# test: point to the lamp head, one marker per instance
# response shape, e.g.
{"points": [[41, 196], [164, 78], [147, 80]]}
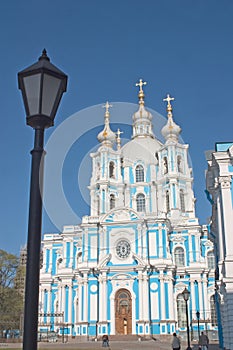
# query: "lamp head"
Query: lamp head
{"points": [[186, 294], [42, 85]]}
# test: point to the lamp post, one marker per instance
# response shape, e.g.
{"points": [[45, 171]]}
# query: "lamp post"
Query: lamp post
{"points": [[186, 295], [42, 85], [198, 323]]}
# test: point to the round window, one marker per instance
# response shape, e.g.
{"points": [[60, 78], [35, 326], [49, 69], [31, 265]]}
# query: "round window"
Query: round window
{"points": [[123, 249]]}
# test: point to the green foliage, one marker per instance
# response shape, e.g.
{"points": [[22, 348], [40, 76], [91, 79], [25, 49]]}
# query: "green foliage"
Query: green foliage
{"points": [[8, 267], [11, 296]]}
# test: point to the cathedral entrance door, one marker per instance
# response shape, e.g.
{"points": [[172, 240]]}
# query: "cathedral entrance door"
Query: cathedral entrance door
{"points": [[123, 312]]}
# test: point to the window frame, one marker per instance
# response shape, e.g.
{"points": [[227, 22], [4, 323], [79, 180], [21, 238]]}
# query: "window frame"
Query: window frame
{"points": [[139, 173], [141, 202]]}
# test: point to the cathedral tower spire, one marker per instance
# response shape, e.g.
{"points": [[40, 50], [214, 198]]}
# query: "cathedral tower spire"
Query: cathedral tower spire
{"points": [[142, 125], [171, 130], [107, 137]]}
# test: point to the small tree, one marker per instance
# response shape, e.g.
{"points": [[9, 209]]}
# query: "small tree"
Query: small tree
{"points": [[11, 301]]}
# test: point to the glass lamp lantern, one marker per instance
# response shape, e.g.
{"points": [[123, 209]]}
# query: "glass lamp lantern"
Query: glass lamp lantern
{"points": [[42, 85], [186, 294]]}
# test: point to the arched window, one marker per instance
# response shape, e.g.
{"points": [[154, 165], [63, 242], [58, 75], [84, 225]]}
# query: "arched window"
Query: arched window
{"points": [[179, 164], [213, 313], [211, 260], [181, 311], [182, 202], [141, 202], [139, 173], [165, 165], [112, 201], [112, 170], [167, 202], [179, 256]]}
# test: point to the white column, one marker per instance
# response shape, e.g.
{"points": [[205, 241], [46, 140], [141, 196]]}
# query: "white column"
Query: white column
{"points": [[153, 199], [162, 295], [49, 301], [160, 242], [206, 300], [104, 291], [127, 197], [71, 254], [101, 299], [145, 297], [85, 298], [190, 248], [192, 288], [140, 249], [42, 300], [70, 303], [225, 182], [141, 301], [144, 242], [197, 244], [200, 294], [93, 203], [171, 296], [80, 305], [220, 233], [63, 298]]}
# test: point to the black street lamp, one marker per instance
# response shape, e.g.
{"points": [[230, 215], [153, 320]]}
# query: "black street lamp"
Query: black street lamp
{"points": [[186, 295], [42, 85], [198, 323]]}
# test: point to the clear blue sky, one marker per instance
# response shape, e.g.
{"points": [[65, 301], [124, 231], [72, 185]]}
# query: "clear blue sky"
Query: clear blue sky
{"points": [[181, 47]]}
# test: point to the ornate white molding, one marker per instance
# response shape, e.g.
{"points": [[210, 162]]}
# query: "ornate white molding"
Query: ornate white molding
{"points": [[104, 261], [177, 238], [139, 260], [225, 181]]}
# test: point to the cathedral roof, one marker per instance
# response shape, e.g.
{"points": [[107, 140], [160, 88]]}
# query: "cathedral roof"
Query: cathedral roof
{"points": [[143, 149]]}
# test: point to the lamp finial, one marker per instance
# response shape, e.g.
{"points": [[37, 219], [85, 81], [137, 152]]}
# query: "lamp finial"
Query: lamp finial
{"points": [[44, 56]]}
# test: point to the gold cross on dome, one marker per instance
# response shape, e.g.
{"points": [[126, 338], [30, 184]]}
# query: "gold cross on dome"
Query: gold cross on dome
{"points": [[140, 84], [107, 106], [169, 99]]}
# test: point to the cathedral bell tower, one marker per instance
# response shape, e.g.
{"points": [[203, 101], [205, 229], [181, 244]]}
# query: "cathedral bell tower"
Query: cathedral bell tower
{"points": [[106, 181], [174, 177]]}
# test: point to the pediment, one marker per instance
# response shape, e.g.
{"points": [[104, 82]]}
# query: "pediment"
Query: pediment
{"points": [[180, 287], [208, 243], [178, 238], [231, 151], [120, 215], [122, 276]]}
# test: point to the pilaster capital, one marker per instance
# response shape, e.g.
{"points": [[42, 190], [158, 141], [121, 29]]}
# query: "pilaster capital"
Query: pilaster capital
{"points": [[225, 181]]}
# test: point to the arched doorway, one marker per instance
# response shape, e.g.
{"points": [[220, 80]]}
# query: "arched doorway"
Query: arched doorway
{"points": [[123, 312]]}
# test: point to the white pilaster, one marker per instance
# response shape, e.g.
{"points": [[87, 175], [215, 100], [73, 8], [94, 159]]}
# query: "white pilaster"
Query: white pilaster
{"points": [[200, 296], [85, 298], [141, 301], [162, 296], [193, 298]]}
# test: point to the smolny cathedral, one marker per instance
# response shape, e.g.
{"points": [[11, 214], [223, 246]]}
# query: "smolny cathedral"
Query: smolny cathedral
{"points": [[122, 271]]}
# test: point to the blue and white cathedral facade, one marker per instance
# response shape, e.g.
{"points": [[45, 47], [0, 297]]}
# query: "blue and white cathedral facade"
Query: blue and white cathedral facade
{"points": [[124, 268]]}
